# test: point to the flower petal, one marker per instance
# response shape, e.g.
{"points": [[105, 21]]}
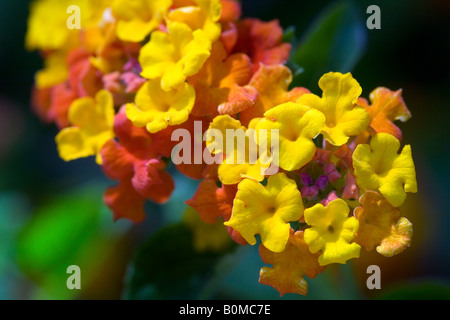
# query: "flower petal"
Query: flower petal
{"points": [[290, 266], [338, 103], [378, 166], [266, 210]]}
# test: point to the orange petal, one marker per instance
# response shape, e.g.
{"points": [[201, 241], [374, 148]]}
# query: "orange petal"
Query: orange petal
{"points": [[239, 99], [62, 97], [386, 107], [192, 169], [399, 239], [344, 153], [161, 192], [381, 226], [117, 162], [125, 202], [41, 102], [272, 83], [262, 42], [221, 85], [137, 165], [212, 202], [83, 77], [135, 140], [231, 11], [229, 36], [323, 156], [290, 266]]}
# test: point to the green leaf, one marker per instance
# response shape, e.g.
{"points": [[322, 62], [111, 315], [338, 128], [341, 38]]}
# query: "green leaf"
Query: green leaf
{"points": [[289, 34], [335, 42], [74, 228], [168, 267]]}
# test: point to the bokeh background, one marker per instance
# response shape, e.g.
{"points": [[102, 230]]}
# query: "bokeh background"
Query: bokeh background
{"points": [[52, 215]]}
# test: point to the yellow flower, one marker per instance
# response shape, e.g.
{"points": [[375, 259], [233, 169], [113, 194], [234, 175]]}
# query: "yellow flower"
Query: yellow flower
{"points": [[92, 125], [221, 123], [298, 125], [242, 158], [266, 210], [332, 231], [137, 18], [156, 109], [204, 15], [175, 55], [55, 71], [381, 226], [343, 118], [47, 24], [380, 167]]}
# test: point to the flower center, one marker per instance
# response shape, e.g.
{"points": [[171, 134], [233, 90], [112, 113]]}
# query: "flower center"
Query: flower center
{"points": [[272, 209], [330, 229]]}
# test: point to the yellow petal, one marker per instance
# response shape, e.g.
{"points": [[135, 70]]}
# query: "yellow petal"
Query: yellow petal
{"points": [[156, 108], [202, 16], [331, 232], [134, 30], [175, 55], [221, 123], [136, 19], [297, 125], [378, 166], [91, 123], [338, 103], [266, 210], [71, 145], [54, 72]]}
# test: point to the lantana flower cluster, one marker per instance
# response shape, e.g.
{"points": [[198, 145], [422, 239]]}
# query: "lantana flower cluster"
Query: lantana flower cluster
{"points": [[136, 71]]}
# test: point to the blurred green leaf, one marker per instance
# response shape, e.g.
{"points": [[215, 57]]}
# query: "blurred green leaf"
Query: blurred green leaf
{"points": [[335, 42], [69, 230], [289, 34], [168, 267]]}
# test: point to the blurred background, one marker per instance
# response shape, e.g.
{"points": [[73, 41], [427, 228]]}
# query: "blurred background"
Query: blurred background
{"points": [[52, 215]]}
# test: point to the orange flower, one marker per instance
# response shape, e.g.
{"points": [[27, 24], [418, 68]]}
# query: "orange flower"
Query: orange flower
{"points": [[290, 266], [381, 226], [221, 86], [135, 161], [83, 80], [231, 11], [213, 203], [386, 107], [262, 42], [61, 97], [272, 83]]}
